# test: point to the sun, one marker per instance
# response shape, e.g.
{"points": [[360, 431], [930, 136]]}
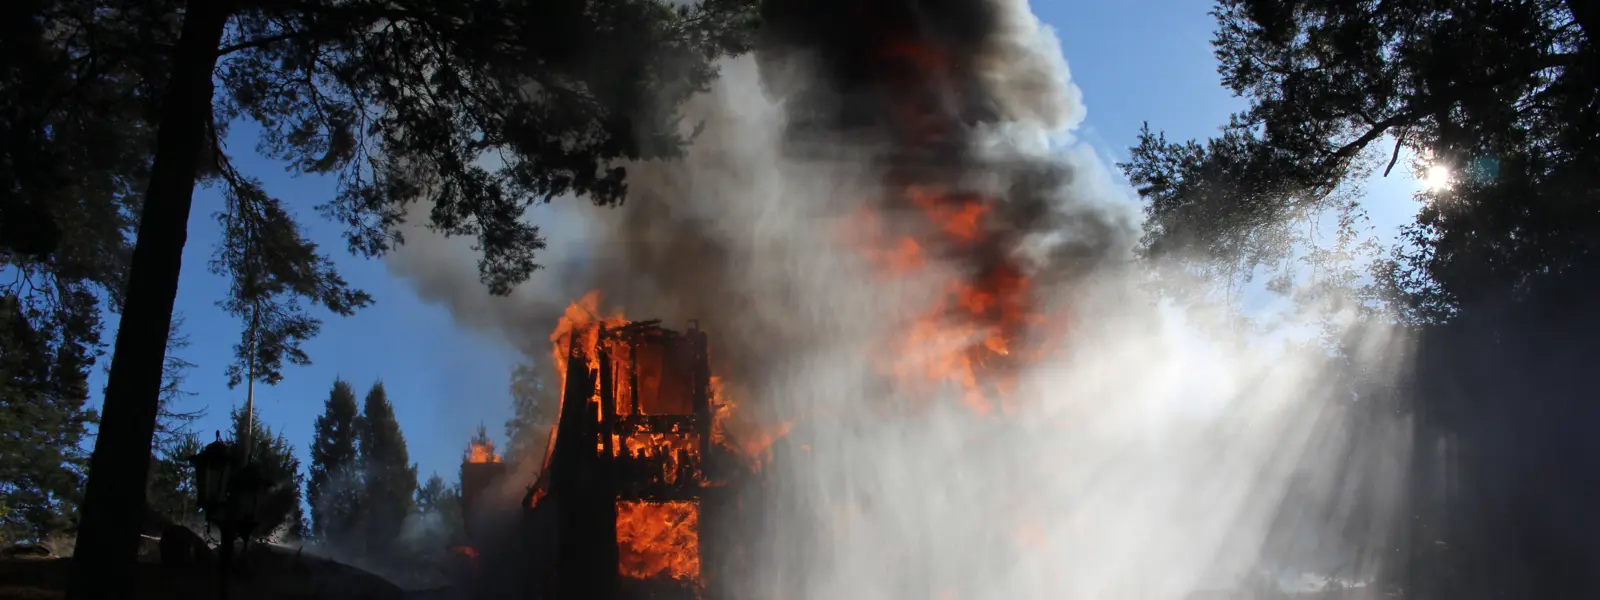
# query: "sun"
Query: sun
{"points": [[1437, 178]]}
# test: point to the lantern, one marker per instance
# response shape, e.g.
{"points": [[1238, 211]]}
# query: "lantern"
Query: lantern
{"points": [[213, 472]]}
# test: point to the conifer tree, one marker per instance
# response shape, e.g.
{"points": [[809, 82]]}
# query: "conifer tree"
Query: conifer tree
{"points": [[402, 103], [389, 480], [334, 486], [171, 492], [43, 388], [279, 510], [437, 499]]}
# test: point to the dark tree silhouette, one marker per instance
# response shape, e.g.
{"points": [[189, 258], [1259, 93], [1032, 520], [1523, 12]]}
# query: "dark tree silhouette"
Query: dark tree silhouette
{"points": [[1496, 275], [476, 108], [279, 510], [171, 491], [389, 479], [1499, 93], [43, 389], [334, 486]]}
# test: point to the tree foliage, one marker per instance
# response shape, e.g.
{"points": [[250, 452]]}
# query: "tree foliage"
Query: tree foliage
{"points": [[171, 490], [1501, 94], [43, 421], [1495, 276], [436, 499], [279, 511], [334, 487], [534, 405], [389, 479], [478, 108], [74, 148]]}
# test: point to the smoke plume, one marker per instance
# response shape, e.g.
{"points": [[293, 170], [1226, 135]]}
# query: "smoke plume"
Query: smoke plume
{"points": [[885, 169]]}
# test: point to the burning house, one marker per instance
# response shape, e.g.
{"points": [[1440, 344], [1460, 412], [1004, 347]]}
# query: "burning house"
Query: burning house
{"points": [[626, 475], [630, 481], [480, 468]]}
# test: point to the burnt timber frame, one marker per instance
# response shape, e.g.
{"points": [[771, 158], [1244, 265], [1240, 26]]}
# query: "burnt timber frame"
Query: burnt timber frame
{"points": [[587, 475]]}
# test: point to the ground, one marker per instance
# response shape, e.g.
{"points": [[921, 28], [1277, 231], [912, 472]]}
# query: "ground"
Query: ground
{"points": [[267, 574]]}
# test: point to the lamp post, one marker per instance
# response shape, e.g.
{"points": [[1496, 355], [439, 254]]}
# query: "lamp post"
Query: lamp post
{"points": [[213, 468], [230, 494]]}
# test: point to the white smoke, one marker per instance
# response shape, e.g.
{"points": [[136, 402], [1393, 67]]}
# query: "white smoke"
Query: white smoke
{"points": [[1145, 459]]}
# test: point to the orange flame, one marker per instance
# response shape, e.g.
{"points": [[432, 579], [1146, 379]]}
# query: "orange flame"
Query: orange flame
{"points": [[479, 452], [731, 428], [656, 539], [582, 317], [985, 322]]}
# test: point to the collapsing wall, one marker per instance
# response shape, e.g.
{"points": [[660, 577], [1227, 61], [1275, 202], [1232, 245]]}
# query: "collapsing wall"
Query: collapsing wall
{"points": [[625, 477]]}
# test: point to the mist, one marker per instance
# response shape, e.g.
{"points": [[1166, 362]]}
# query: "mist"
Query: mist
{"points": [[1136, 454]]}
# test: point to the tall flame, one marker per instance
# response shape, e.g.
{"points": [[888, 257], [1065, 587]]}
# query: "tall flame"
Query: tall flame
{"points": [[583, 317]]}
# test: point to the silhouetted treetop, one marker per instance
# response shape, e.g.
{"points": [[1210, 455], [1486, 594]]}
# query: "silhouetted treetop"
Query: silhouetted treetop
{"points": [[1500, 94], [476, 108]]}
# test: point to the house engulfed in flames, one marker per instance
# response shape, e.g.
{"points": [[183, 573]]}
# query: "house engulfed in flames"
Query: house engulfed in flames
{"points": [[625, 479]]}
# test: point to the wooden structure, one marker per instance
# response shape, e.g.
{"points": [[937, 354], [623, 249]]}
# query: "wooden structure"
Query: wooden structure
{"points": [[624, 473]]}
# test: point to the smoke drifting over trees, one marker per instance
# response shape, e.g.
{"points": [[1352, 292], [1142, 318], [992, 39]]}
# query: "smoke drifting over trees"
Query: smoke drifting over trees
{"points": [[1150, 455]]}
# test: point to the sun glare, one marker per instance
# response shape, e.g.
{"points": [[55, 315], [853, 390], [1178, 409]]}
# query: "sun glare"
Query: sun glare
{"points": [[1437, 178]]}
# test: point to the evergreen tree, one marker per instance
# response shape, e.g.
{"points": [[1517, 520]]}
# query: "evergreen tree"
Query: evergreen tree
{"points": [[389, 480], [43, 388], [279, 510], [172, 423], [74, 148], [401, 102], [1499, 95], [171, 493], [435, 498], [1496, 276], [334, 486]]}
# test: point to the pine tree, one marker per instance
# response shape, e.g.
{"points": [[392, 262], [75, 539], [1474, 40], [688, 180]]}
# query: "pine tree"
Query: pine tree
{"points": [[358, 89], [389, 480], [334, 486], [1499, 94], [43, 388], [279, 510], [435, 498], [171, 491]]}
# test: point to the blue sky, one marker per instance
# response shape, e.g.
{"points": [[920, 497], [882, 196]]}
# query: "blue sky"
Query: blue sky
{"points": [[1135, 60]]}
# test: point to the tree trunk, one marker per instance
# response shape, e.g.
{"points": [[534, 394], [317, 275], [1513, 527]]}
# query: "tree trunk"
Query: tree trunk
{"points": [[114, 496]]}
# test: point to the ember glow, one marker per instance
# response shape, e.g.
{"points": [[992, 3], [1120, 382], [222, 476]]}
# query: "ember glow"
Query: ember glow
{"points": [[658, 539]]}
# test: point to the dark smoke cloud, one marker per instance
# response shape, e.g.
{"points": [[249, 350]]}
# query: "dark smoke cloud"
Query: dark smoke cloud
{"points": [[744, 235]]}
